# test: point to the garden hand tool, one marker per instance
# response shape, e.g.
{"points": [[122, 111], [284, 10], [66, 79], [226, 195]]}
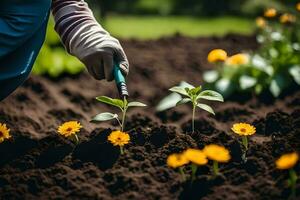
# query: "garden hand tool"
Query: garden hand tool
{"points": [[120, 82]]}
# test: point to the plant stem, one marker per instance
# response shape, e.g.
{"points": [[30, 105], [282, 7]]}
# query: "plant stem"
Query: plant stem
{"points": [[119, 122], [215, 168], [193, 118], [245, 142], [181, 171], [293, 181], [121, 150], [194, 170], [124, 114], [76, 139]]}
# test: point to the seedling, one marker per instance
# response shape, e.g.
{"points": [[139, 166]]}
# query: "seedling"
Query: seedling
{"points": [[123, 105], [244, 130], [193, 94]]}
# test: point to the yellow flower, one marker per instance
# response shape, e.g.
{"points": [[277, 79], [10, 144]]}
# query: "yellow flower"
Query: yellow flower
{"points": [[69, 128], [298, 6], [217, 153], [243, 129], [177, 160], [287, 18], [195, 156], [4, 133], [270, 13], [217, 55], [260, 22], [119, 138], [238, 59], [287, 161]]}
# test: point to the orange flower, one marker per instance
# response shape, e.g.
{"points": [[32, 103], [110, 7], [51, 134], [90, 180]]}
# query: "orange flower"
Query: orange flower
{"points": [[217, 153], [287, 18], [287, 161], [177, 160], [217, 55], [270, 13], [260, 22], [298, 6]]}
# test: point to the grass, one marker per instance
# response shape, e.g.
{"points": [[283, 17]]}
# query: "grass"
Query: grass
{"points": [[153, 27]]}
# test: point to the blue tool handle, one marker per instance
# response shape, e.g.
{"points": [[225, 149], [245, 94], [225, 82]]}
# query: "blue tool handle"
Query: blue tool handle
{"points": [[120, 81]]}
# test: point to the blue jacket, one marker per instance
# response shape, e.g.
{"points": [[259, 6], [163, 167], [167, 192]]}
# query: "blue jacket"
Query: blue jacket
{"points": [[22, 32]]}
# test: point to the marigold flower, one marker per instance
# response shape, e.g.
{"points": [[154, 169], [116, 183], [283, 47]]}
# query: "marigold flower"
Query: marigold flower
{"points": [[195, 156], [70, 128], [177, 160], [4, 133], [217, 153], [287, 161], [287, 18], [298, 6], [243, 129], [238, 59], [217, 55], [119, 138], [260, 22], [270, 13]]}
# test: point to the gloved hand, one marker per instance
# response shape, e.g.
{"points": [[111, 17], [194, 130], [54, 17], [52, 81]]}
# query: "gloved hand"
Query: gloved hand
{"points": [[100, 64], [84, 38]]}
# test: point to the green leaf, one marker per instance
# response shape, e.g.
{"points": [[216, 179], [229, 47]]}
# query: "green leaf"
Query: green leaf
{"points": [[247, 82], [183, 101], [277, 85], [224, 86], [114, 102], [210, 76], [206, 108], [179, 90], [168, 102], [136, 104], [210, 95], [195, 91], [105, 117], [295, 73]]}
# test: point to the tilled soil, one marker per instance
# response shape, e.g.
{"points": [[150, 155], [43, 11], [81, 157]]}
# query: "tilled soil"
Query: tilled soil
{"points": [[39, 164]]}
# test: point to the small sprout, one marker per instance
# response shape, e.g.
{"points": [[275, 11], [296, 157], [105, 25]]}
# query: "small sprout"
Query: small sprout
{"points": [[270, 13], [288, 161], [216, 56], [238, 59], [70, 129], [218, 154], [194, 95], [123, 105], [119, 138], [4, 133], [244, 130], [261, 22], [197, 158], [287, 18]]}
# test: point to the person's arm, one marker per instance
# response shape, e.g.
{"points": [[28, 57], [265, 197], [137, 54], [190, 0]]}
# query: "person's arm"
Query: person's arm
{"points": [[84, 38]]}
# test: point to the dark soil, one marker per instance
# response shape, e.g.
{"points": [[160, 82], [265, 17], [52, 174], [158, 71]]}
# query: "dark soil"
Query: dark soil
{"points": [[38, 164]]}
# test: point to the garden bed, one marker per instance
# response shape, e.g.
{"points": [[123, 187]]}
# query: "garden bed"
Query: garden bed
{"points": [[38, 164]]}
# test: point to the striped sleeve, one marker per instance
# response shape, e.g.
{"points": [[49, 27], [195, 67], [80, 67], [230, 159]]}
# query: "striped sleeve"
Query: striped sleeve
{"points": [[77, 27]]}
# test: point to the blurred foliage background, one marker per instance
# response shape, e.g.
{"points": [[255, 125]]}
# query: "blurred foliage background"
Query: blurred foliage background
{"points": [[151, 19]]}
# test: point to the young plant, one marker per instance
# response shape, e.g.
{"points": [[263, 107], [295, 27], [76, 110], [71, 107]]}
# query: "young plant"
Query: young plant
{"points": [[123, 105], [4, 133], [119, 138], [70, 129], [287, 162], [194, 95], [244, 130], [194, 157], [218, 154]]}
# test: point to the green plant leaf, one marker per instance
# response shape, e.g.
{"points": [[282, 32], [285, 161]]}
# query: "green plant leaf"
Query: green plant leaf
{"points": [[179, 90], [206, 108], [295, 73], [277, 85], [105, 117], [136, 104], [210, 76], [247, 82], [114, 102], [168, 102], [210, 95], [183, 101], [194, 91]]}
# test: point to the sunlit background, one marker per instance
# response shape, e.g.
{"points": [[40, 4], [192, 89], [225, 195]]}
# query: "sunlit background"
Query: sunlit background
{"points": [[153, 19]]}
